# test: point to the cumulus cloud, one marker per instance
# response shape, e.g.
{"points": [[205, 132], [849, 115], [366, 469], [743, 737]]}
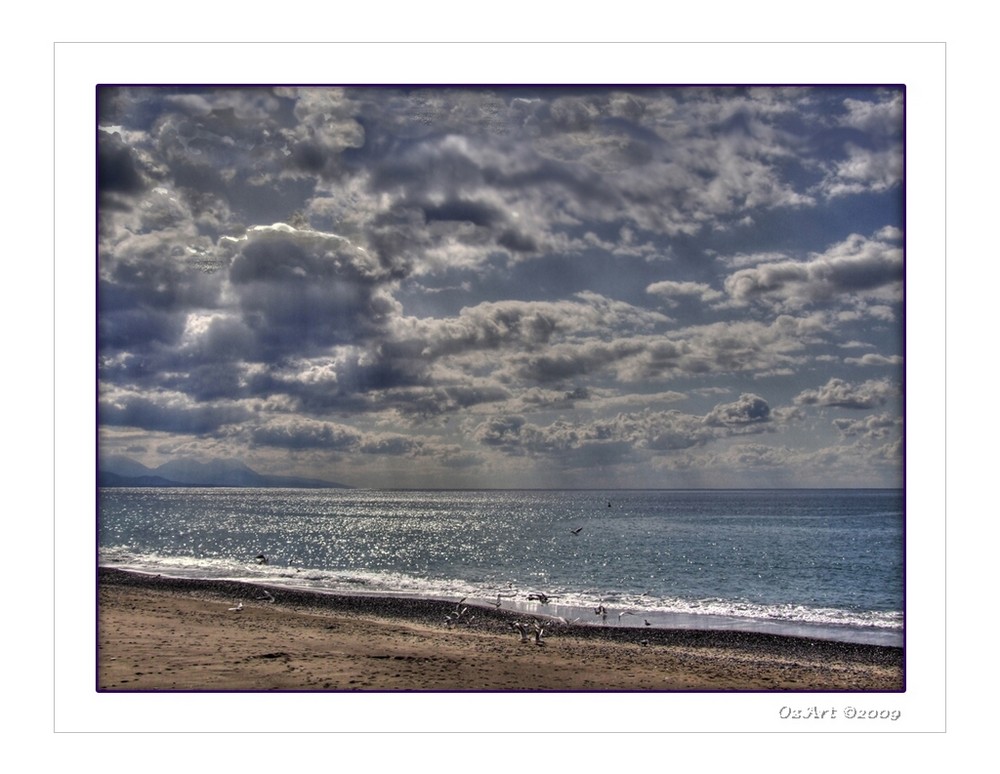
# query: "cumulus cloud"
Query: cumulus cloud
{"points": [[838, 393], [864, 170], [856, 268], [873, 359], [671, 291], [873, 427], [306, 435], [626, 434], [749, 409]]}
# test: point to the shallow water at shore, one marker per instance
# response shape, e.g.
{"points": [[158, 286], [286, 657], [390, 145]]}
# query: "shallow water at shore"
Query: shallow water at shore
{"points": [[817, 563]]}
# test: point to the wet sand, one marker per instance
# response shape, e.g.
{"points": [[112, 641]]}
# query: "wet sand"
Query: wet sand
{"points": [[166, 634]]}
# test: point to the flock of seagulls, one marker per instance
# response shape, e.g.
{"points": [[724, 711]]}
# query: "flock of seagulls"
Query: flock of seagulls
{"points": [[538, 626], [460, 615]]}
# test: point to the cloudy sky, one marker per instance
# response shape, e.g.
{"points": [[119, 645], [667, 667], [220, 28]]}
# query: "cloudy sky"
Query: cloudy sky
{"points": [[505, 287]]}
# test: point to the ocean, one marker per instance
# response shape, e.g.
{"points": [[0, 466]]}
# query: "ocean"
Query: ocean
{"points": [[826, 564]]}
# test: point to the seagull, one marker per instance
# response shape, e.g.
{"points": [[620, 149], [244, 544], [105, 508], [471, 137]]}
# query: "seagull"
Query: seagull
{"points": [[497, 603], [539, 632], [539, 596], [624, 612], [236, 609], [521, 628], [576, 531], [266, 596], [261, 559], [646, 621]]}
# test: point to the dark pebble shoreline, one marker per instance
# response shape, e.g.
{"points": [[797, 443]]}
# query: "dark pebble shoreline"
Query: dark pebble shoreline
{"points": [[493, 620]]}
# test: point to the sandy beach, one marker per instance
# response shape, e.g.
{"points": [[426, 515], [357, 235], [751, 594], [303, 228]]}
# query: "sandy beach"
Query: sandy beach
{"points": [[167, 634]]}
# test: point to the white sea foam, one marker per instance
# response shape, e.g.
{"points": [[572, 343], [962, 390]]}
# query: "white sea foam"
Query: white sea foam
{"points": [[828, 562]]}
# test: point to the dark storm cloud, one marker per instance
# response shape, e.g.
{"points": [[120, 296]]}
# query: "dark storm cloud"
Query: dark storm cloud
{"points": [[169, 414], [118, 170], [354, 383], [126, 324], [303, 290]]}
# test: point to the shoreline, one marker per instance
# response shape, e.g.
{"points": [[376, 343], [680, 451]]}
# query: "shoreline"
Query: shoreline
{"points": [[159, 633]]}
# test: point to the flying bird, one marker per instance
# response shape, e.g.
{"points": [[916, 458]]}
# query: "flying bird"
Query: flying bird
{"points": [[236, 609], [576, 531], [540, 597], [624, 612], [266, 596], [458, 614]]}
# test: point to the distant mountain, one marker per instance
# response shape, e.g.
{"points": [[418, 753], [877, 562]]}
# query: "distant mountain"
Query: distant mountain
{"points": [[123, 471], [104, 478]]}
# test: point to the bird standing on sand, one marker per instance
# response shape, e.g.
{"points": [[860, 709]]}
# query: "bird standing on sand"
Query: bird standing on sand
{"points": [[521, 628], [236, 609]]}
